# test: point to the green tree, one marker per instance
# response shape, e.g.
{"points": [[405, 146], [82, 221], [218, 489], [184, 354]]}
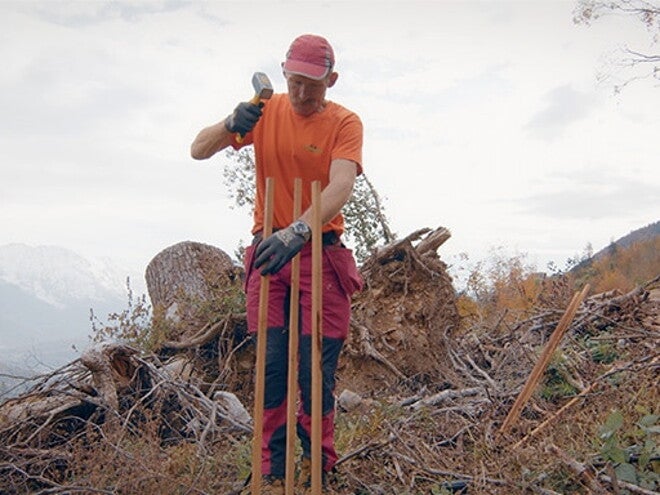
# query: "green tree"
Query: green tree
{"points": [[366, 222], [631, 64]]}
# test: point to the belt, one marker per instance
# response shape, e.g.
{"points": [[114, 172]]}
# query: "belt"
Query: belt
{"points": [[329, 238]]}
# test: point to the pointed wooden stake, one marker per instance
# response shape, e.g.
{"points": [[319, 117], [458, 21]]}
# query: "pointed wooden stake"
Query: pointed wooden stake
{"points": [[292, 379], [317, 331], [260, 368]]}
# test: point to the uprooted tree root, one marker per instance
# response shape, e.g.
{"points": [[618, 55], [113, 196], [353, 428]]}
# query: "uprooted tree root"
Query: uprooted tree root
{"points": [[116, 421]]}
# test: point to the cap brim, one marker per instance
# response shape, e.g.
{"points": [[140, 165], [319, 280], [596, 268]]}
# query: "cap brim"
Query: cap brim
{"points": [[304, 69]]}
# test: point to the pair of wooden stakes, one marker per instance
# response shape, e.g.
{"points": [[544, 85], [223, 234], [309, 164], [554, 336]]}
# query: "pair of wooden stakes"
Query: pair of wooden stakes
{"points": [[316, 331]]}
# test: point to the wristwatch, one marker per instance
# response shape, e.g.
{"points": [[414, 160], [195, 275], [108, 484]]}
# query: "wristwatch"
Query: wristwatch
{"points": [[302, 229]]}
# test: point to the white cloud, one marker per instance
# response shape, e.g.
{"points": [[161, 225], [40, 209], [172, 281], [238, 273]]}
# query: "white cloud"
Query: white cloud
{"points": [[564, 106]]}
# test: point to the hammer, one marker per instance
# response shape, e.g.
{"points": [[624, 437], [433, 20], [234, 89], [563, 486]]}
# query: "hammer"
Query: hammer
{"points": [[263, 90]]}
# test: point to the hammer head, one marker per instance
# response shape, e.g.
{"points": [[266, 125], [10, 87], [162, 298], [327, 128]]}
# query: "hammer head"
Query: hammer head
{"points": [[263, 89]]}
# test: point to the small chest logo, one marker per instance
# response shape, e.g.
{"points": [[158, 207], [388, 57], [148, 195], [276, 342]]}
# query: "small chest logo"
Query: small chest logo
{"points": [[313, 149]]}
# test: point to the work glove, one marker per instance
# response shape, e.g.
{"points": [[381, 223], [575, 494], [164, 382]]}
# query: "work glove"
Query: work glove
{"points": [[244, 118], [278, 249]]}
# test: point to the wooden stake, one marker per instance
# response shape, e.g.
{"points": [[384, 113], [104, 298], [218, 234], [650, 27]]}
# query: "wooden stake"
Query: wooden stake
{"points": [[317, 331], [543, 361], [260, 368], [292, 379]]}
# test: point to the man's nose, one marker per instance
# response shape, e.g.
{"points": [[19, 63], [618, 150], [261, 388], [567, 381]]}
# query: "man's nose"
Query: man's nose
{"points": [[303, 92]]}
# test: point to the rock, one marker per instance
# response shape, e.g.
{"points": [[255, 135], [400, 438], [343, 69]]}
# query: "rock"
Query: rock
{"points": [[349, 401], [233, 407]]}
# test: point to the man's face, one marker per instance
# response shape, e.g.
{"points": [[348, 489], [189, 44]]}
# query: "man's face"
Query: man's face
{"points": [[307, 95]]}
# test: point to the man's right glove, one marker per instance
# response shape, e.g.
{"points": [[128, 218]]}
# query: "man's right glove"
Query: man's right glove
{"points": [[244, 118]]}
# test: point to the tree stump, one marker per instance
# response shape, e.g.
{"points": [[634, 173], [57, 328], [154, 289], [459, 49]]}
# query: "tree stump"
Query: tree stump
{"points": [[189, 283]]}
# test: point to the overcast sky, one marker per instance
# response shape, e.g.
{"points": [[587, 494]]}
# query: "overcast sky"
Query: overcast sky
{"points": [[486, 118]]}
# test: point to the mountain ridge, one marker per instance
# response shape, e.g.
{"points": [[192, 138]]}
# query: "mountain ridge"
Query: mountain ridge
{"points": [[47, 294], [58, 275], [647, 232]]}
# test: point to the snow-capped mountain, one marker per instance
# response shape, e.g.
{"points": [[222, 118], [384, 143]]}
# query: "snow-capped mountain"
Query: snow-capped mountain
{"points": [[59, 276], [47, 294]]}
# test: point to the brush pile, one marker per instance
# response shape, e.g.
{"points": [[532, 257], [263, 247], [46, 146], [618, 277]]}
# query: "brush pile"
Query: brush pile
{"points": [[423, 393]]}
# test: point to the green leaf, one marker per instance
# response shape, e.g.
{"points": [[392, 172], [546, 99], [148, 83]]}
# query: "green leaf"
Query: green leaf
{"points": [[617, 454], [626, 472], [648, 421], [614, 421]]}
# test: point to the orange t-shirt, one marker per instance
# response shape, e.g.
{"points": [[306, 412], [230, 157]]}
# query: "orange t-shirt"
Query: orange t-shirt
{"points": [[289, 146]]}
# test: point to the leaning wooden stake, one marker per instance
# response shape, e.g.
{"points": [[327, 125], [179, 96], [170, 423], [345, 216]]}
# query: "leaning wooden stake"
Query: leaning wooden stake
{"points": [[260, 372], [292, 379], [543, 361], [317, 331]]}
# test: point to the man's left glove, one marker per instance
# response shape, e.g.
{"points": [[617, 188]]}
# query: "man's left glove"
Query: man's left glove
{"points": [[276, 251]]}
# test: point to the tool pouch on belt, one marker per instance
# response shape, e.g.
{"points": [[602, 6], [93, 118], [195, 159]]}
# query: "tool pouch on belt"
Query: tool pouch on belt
{"points": [[343, 263]]}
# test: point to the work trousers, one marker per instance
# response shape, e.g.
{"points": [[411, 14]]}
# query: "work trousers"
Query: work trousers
{"points": [[340, 279], [275, 402]]}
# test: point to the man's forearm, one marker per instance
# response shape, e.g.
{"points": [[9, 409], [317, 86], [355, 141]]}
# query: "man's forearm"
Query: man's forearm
{"points": [[336, 193], [210, 140]]}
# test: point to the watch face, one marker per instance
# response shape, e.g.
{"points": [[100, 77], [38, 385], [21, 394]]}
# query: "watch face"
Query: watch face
{"points": [[301, 228]]}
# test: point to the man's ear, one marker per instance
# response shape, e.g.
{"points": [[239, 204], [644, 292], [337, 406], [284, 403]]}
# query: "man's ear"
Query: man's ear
{"points": [[333, 79]]}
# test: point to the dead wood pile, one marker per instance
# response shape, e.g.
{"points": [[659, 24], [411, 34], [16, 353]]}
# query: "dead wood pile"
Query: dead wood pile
{"points": [[110, 388]]}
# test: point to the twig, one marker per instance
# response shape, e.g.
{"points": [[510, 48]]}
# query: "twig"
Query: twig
{"points": [[441, 472], [584, 472], [372, 352], [201, 338], [376, 445], [490, 381], [628, 486], [446, 395]]}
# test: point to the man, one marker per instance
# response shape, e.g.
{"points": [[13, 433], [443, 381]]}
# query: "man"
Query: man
{"points": [[297, 135]]}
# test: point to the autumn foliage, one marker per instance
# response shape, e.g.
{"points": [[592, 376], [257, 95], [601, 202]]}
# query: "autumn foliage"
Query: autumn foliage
{"points": [[621, 268], [507, 289]]}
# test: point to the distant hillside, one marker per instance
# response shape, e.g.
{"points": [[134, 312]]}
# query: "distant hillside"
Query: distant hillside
{"points": [[629, 261], [649, 232], [27, 321]]}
